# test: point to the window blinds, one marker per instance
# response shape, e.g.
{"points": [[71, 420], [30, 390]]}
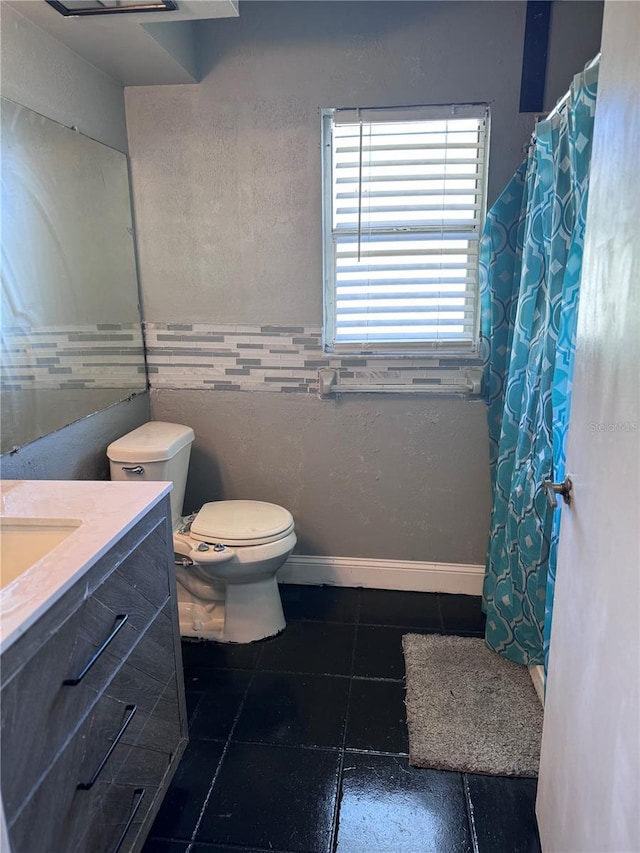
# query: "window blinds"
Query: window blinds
{"points": [[408, 196]]}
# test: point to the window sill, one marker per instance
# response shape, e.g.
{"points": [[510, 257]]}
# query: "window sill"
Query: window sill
{"points": [[458, 380], [458, 390], [469, 352]]}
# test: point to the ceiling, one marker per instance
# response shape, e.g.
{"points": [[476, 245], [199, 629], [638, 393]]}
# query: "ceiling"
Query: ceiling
{"points": [[136, 49]]}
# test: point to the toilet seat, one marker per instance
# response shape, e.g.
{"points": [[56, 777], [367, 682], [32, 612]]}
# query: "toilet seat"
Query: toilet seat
{"points": [[241, 523]]}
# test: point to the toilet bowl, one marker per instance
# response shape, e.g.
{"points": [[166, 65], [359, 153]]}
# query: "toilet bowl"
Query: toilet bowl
{"points": [[232, 551], [227, 553]]}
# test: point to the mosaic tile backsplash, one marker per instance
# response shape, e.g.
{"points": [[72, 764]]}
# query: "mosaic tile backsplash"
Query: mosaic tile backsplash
{"points": [[102, 355], [284, 359], [275, 359]]}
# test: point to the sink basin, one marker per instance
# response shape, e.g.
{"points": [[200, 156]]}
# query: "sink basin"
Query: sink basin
{"points": [[24, 541]]}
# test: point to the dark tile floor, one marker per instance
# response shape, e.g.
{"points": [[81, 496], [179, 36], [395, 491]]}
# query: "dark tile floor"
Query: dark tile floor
{"points": [[298, 744]]}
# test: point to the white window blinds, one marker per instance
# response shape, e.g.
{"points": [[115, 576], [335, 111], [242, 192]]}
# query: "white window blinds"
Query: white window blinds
{"points": [[407, 198]]}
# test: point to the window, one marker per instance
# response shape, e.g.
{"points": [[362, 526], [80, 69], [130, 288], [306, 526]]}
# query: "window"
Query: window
{"points": [[404, 199]]}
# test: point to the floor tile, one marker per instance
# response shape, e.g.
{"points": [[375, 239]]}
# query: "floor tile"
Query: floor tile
{"points": [[296, 710], [276, 793], [396, 607], [323, 603], [386, 806], [320, 647], [202, 680], [379, 652], [160, 845], [211, 654], [192, 697], [504, 813], [462, 613], [183, 802], [277, 798], [218, 707], [377, 718]]}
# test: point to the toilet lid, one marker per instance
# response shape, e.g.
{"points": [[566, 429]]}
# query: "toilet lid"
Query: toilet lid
{"points": [[241, 523]]}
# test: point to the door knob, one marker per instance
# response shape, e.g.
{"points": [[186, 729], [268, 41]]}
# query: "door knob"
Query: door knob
{"points": [[565, 488]]}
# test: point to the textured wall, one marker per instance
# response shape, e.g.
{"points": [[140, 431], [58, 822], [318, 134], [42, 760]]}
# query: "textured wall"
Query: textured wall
{"points": [[228, 205], [576, 27], [385, 476], [227, 173]]}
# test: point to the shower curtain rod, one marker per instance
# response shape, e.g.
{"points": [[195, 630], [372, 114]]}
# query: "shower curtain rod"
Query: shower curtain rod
{"points": [[561, 103], [563, 100]]}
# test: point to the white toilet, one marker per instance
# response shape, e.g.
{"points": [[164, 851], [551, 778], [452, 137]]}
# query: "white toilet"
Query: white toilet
{"points": [[228, 552]]}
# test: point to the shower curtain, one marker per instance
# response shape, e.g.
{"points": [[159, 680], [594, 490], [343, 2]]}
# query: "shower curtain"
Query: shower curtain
{"points": [[530, 264]]}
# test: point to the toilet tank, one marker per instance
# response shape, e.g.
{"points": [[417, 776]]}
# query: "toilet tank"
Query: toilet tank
{"points": [[154, 451]]}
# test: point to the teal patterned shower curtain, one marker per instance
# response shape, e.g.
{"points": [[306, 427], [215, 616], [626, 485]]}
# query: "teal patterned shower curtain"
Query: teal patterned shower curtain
{"points": [[530, 265]]}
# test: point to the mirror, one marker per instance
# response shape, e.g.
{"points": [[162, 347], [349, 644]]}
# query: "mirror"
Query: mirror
{"points": [[70, 324]]}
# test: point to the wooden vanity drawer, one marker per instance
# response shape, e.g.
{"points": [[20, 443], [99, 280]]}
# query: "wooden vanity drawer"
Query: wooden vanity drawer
{"points": [[128, 742], [117, 817], [121, 608], [90, 821]]}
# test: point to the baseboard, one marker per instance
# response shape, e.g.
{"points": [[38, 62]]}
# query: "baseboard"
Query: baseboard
{"points": [[537, 676], [413, 575]]}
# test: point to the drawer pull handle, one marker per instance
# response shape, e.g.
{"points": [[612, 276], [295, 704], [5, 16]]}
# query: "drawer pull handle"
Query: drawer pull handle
{"points": [[120, 620], [84, 786], [138, 794]]}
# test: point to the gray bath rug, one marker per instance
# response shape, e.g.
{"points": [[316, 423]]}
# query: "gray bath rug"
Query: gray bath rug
{"points": [[468, 709]]}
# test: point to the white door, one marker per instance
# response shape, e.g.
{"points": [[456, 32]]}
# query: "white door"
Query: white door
{"points": [[589, 789]]}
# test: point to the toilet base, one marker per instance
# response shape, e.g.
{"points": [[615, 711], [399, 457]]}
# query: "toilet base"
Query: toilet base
{"points": [[199, 620], [253, 611], [249, 612]]}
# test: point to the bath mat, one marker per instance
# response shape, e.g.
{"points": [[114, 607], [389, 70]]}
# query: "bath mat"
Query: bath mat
{"points": [[468, 709]]}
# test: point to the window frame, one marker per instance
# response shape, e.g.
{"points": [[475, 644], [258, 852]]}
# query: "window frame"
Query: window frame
{"points": [[441, 348]]}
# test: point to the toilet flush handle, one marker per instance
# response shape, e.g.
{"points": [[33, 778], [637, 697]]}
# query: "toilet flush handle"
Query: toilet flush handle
{"points": [[133, 469]]}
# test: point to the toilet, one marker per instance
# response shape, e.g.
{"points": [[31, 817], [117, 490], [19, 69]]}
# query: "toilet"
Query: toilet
{"points": [[227, 553]]}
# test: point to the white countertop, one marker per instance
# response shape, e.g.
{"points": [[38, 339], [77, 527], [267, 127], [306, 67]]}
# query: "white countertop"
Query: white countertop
{"points": [[106, 509]]}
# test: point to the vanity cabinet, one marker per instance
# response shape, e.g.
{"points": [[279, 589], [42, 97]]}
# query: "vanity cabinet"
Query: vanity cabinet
{"points": [[92, 704]]}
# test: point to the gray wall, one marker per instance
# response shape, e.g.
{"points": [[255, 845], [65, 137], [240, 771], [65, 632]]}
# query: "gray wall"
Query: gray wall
{"points": [[366, 476], [227, 196], [227, 173], [576, 27], [44, 75]]}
